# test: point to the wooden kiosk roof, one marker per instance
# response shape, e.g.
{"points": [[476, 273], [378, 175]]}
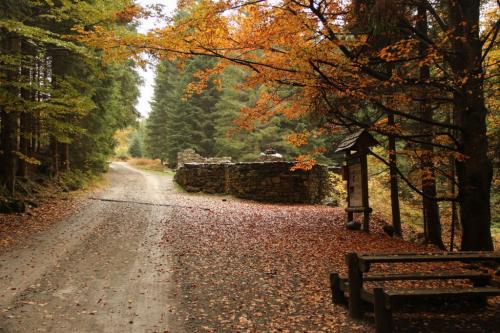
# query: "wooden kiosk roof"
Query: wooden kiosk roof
{"points": [[356, 141]]}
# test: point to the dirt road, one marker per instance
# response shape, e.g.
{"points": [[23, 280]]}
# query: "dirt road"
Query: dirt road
{"points": [[144, 257], [102, 270]]}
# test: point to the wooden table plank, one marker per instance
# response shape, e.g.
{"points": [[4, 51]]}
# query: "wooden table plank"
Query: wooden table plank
{"points": [[425, 276], [365, 260], [480, 291], [420, 257]]}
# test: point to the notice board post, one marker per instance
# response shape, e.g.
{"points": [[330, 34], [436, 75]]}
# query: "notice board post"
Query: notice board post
{"points": [[356, 147]]}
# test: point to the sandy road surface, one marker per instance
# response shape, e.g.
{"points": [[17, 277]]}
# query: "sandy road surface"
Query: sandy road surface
{"points": [[102, 270]]}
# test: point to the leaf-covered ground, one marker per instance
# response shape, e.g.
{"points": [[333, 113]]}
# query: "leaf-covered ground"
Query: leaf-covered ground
{"points": [[236, 266], [250, 267], [16, 228], [47, 202]]}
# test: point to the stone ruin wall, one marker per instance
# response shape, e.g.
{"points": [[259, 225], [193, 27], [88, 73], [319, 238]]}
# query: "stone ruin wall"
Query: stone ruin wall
{"points": [[261, 181], [190, 156], [202, 177]]}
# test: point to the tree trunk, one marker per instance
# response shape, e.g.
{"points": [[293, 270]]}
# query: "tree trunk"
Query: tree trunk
{"points": [[10, 120], [36, 134], [25, 134], [65, 156], [8, 159], [474, 169], [58, 68], [41, 80], [396, 215], [54, 151], [454, 225], [430, 207], [474, 179], [25, 124]]}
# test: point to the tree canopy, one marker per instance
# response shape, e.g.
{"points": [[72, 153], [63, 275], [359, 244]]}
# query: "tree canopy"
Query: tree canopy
{"points": [[60, 104], [420, 75]]}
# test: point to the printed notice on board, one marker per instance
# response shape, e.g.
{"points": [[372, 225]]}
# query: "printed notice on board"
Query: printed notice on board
{"points": [[355, 188]]}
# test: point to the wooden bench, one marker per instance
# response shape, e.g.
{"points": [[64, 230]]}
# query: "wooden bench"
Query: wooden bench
{"points": [[385, 301]]}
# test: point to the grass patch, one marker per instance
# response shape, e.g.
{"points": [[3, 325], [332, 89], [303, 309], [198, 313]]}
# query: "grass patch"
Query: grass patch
{"points": [[150, 165]]}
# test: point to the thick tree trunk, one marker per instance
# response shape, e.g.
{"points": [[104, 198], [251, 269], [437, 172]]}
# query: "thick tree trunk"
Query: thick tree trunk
{"points": [[474, 179], [396, 215], [430, 207], [474, 169], [9, 149], [431, 213]]}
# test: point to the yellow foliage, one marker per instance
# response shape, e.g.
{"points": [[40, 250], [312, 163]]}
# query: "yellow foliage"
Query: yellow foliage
{"points": [[27, 159], [122, 138]]}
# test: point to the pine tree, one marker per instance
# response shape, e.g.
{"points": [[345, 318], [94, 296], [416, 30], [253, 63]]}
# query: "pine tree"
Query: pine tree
{"points": [[179, 120], [60, 105], [135, 148]]}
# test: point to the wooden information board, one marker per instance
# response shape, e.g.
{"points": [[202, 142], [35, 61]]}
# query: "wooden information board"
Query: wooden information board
{"points": [[355, 185], [356, 147]]}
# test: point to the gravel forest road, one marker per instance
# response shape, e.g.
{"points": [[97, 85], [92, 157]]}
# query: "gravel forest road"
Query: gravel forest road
{"points": [[101, 270]]}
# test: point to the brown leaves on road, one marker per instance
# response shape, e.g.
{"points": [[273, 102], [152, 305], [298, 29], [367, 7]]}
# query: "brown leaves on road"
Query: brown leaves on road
{"points": [[15, 228], [251, 267]]}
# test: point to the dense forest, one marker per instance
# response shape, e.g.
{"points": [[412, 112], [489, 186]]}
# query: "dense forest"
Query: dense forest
{"points": [[60, 103], [206, 120], [235, 77], [105, 228], [421, 76]]}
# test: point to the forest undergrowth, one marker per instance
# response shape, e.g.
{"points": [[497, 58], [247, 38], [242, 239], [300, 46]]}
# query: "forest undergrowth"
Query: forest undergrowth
{"points": [[42, 201]]}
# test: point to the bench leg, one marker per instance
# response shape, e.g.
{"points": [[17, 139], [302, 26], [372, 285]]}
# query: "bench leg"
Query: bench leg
{"points": [[355, 284], [338, 296], [383, 315]]}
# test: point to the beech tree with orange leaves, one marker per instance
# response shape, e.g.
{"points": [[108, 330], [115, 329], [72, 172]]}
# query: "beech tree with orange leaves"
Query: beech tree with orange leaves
{"points": [[354, 75]]}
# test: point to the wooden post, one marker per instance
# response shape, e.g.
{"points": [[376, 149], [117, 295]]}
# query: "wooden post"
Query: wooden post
{"points": [[338, 296], [350, 215], [383, 316], [355, 285], [364, 184]]}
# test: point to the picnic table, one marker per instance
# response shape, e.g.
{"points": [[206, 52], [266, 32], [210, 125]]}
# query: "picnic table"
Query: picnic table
{"points": [[384, 301]]}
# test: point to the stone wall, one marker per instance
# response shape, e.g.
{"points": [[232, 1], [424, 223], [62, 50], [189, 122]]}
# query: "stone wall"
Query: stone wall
{"points": [[262, 181], [202, 177], [190, 156]]}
